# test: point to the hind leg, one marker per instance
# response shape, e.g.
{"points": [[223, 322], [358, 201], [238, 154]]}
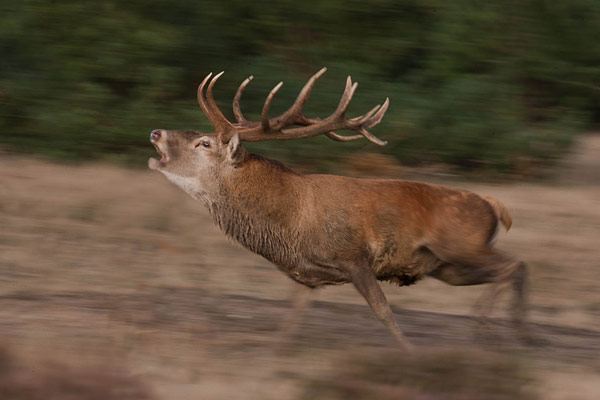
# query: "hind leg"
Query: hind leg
{"points": [[516, 275], [521, 303], [489, 266], [461, 275], [513, 275]]}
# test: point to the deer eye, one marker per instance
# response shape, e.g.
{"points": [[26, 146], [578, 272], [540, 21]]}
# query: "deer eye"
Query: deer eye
{"points": [[204, 144]]}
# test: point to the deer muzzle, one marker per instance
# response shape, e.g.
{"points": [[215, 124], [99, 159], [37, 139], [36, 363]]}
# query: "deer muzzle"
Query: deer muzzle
{"points": [[157, 138]]}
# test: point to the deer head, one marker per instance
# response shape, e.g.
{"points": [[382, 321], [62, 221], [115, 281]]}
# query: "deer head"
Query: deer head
{"points": [[194, 161]]}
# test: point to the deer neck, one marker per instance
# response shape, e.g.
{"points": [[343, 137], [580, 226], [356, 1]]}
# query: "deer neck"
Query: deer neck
{"points": [[258, 205]]}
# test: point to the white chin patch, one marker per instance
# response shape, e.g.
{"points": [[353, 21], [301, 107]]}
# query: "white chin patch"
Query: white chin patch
{"points": [[188, 185], [153, 163]]}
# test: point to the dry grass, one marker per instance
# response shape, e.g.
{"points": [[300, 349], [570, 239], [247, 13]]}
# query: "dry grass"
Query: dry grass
{"points": [[442, 375], [107, 266], [53, 380]]}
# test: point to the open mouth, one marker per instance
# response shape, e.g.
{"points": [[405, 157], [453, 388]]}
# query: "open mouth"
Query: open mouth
{"points": [[163, 156], [153, 163]]}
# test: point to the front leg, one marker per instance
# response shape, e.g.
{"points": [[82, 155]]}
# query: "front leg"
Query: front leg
{"points": [[301, 298], [366, 283]]}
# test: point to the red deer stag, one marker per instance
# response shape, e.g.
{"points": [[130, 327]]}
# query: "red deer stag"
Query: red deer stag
{"points": [[330, 230]]}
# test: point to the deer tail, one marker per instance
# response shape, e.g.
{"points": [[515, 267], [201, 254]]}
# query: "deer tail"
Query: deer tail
{"points": [[500, 211]]}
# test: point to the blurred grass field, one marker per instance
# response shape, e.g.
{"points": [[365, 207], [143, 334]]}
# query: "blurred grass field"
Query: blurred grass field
{"points": [[105, 268]]}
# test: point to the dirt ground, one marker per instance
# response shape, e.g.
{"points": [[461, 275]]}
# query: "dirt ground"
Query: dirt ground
{"points": [[115, 268]]}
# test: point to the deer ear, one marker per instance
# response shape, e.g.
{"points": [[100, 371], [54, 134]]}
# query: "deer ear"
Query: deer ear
{"points": [[235, 151]]}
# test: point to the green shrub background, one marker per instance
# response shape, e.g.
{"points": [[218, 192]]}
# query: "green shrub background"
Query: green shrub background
{"points": [[494, 86]]}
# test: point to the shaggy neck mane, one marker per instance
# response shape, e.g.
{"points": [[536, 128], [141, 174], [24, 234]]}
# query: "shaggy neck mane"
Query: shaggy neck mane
{"points": [[258, 206]]}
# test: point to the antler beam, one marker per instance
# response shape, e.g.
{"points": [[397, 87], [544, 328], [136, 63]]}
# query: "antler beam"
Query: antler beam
{"points": [[280, 128]]}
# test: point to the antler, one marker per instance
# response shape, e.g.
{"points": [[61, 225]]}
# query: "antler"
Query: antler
{"points": [[279, 128]]}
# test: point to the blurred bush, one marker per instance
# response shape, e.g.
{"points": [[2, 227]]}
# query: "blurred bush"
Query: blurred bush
{"points": [[499, 85]]}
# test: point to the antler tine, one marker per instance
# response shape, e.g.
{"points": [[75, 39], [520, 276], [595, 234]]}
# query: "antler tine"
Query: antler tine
{"points": [[220, 121], [365, 122], [346, 97], [363, 118], [360, 119], [339, 138], [264, 115], [209, 106], [372, 121], [372, 137], [237, 111], [294, 113], [201, 100]]}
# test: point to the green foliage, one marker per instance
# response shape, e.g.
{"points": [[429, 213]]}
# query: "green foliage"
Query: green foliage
{"points": [[472, 84]]}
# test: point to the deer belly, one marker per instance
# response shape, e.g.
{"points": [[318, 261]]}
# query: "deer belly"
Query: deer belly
{"points": [[395, 262], [313, 275]]}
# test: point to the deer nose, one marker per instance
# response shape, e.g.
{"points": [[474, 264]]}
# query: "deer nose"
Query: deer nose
{"points": [[155, 135]]}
